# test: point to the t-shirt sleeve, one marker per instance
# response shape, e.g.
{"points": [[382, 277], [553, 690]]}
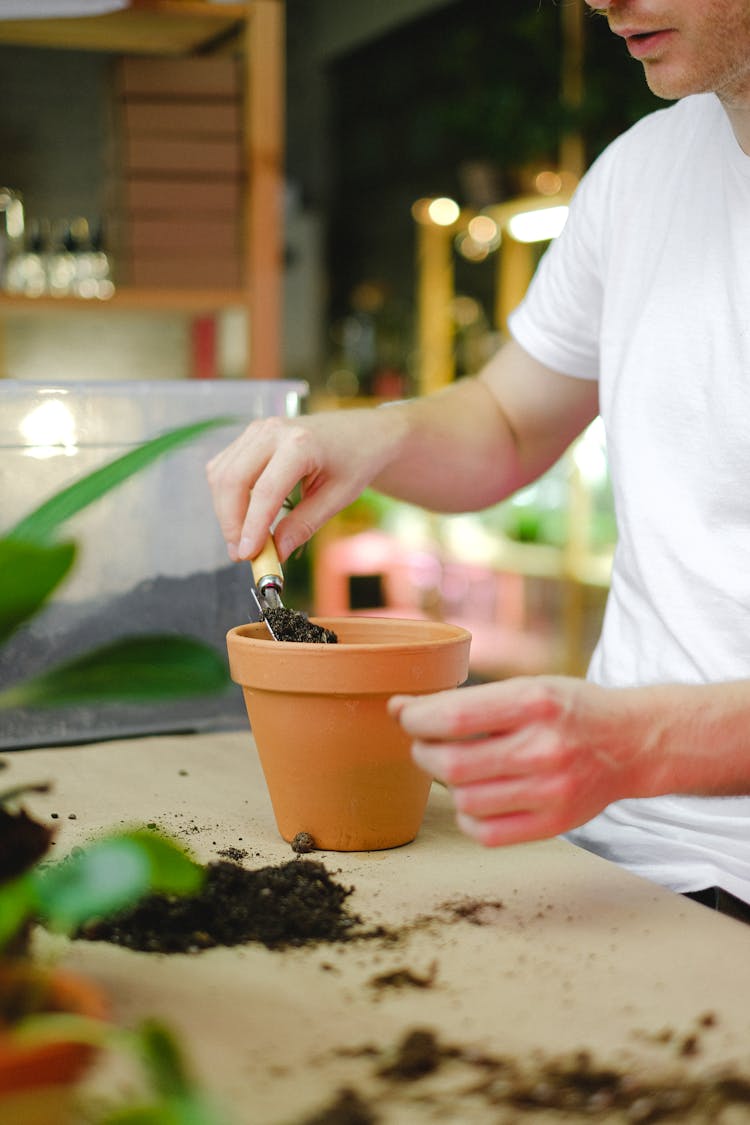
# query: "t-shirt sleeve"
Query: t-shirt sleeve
{"points": [[558, 321]]}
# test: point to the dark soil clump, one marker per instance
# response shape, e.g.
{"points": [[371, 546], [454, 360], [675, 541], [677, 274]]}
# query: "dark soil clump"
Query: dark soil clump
{"points": [[404, 978], [292, 625], [23, 842], [418, 1054], [303, 842], [347, 1108], [293, 904]]}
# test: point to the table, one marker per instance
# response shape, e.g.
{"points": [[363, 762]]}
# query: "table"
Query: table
{"points": [[575, 954]]}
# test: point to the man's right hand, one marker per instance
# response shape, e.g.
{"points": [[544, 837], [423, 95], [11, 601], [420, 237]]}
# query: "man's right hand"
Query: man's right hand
{"points": [[333, 456]]}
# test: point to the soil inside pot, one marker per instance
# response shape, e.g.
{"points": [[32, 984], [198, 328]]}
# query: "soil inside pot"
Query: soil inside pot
{"points": [[293, 904], [292, 625]]}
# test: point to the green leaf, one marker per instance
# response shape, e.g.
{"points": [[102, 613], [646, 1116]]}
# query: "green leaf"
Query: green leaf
{"points": [[171, 870], [18, 903], [132, 670], [191, 1110], [29, 572], [180, 1100], [141, 1115], [40, 524], [109, 876], [163, 1059]]}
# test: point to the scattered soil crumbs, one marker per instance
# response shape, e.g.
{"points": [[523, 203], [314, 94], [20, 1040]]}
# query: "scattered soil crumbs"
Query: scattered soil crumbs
{"points": [[292, 625], [303, 842], [404, 978], [575, 1086], [293, 904], [347, 1108], [233, 853], [477, 912]]}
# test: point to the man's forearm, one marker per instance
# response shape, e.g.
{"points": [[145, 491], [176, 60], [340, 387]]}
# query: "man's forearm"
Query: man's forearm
{"points": [[693, 738], [453, 451]]}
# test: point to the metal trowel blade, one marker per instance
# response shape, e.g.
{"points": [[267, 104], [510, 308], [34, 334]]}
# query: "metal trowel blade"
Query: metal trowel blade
{"points": [[262, 611]]}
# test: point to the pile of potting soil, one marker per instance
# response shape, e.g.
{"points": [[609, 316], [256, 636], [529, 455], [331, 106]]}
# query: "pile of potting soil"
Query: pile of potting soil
{"points": [[293, 904]]}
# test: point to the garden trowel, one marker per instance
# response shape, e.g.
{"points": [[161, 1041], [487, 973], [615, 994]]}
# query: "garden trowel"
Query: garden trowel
{"points": [[269, 581]]}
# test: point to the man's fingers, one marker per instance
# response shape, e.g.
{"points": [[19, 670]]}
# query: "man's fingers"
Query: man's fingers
{"points": [[494, 708], [515, 828], [230, 486], [537, 750]]}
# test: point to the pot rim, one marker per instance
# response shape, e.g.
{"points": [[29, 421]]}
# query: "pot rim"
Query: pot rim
{"points": [[449, 635]]}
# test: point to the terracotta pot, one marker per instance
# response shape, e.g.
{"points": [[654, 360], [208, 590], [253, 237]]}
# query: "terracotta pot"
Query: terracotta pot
{"points": [[37, 1081], [336, 764]]}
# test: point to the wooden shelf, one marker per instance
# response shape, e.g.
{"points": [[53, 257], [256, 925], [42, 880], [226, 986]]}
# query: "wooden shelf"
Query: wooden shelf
{"points": [[161, 27], [254, 30], [140, 300]]}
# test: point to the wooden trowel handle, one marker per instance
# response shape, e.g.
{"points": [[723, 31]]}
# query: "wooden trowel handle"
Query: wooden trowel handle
{"points": [[267, 565]]}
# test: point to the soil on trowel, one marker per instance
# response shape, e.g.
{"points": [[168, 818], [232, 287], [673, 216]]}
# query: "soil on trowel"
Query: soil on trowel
{"points": [[292, 625], [296, 903]]}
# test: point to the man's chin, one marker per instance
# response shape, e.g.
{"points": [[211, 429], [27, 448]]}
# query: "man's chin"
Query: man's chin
{"points": [[670, 86]]}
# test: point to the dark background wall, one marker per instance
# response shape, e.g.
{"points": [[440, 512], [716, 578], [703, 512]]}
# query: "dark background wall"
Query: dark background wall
{"points": [[471, 84]]}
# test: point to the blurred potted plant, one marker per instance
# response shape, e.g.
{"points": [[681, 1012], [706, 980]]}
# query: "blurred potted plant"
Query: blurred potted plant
{"points": [[50, 1022]]}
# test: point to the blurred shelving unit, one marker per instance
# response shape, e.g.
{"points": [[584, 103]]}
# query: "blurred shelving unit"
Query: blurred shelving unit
{"points": [[254, 31]]}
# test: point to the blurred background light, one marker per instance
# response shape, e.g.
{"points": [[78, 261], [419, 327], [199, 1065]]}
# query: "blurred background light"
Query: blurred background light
{"points": [[485, 231], [49, 429], [443, 211], [470, 249], [539, 225], [548, 183]]}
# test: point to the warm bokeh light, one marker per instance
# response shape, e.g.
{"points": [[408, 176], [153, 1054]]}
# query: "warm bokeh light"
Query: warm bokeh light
{"points": [[443, 211], [484, 231], [548, 183], [538, 226], [420, 210], [470, 249], [466, 311]]}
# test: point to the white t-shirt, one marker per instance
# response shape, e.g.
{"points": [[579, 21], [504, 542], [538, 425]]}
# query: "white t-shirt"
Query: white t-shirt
{"points": [[648, 291]]}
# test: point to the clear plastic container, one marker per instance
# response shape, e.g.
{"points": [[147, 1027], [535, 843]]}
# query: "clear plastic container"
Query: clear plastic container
{"points": [[151, 556]]}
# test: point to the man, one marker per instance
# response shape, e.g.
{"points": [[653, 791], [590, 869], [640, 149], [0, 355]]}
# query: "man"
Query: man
{"points": [[639, 311]]}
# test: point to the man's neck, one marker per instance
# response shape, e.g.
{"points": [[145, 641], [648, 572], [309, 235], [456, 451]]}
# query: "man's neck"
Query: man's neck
{"points": [[739, 119]]}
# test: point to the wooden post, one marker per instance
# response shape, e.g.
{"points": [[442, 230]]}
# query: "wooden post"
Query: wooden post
{"points": [[572, 151], [264, 197], [434, 301]]}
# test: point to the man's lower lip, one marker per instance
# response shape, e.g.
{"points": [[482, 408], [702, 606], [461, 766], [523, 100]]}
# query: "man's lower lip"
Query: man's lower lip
{"points": [[641, 46]]}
